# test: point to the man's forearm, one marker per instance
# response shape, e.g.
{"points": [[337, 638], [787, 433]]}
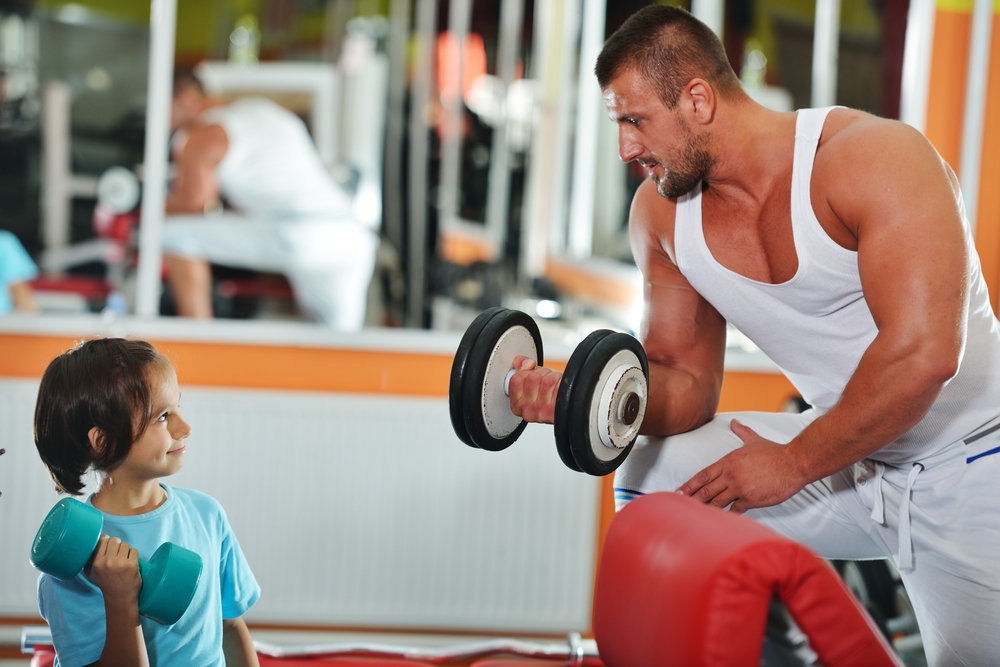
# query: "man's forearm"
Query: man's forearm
{"points": [[679, 401], [888, 394]]}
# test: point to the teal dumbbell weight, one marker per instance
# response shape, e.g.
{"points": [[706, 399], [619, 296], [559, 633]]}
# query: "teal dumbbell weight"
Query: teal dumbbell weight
{"points": [[66, 541]]}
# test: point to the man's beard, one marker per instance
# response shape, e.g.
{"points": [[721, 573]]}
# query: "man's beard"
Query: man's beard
{"points": [[694, 166]]}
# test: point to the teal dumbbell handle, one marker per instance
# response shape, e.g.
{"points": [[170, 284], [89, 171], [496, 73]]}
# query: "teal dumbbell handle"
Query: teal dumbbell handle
{"points": [[66, 540]]}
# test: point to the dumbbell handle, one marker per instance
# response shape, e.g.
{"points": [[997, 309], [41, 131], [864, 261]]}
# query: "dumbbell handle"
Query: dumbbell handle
{"points": [[628, 406], [506, 381]]}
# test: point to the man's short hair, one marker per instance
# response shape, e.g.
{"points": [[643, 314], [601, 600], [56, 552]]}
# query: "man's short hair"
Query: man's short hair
{"points": [[184, 79], [668, 47]]}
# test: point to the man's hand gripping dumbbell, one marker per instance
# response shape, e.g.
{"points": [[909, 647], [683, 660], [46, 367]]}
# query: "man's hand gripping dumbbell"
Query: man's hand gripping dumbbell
{"points": [[498, 384]]}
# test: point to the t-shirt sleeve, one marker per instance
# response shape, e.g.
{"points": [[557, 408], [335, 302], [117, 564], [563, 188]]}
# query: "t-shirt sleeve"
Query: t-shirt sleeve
{"points": [[74, 611], [240, 589], [15, 263]]}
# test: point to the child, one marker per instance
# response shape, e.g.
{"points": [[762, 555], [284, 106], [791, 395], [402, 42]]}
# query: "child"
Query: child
{"points": [[113, 405]]}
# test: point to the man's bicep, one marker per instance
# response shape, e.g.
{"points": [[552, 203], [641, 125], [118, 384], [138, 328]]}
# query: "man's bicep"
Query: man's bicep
{"points": [[195, 185], [680, 328]]}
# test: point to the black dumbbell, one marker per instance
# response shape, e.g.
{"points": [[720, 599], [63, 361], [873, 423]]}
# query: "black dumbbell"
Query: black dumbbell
{"points": [[599, 407], [65, 543]]}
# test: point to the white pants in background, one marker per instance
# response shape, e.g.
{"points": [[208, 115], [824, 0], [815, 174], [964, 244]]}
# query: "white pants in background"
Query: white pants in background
{"points": [[328, 262], [937, 518]]}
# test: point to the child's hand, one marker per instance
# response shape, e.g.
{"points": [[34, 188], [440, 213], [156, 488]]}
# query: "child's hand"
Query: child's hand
{"points": [[115, 570]]}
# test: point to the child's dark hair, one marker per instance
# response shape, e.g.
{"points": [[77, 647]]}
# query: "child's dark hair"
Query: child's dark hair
{"points": [[100, 383]]}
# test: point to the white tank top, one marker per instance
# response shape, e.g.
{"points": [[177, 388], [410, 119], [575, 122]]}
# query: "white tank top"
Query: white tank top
{"points": [[817, 325], [272, 167]]}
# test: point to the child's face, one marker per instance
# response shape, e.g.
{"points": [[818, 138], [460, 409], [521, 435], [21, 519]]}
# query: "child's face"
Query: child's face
{"points": [[160, 450]]}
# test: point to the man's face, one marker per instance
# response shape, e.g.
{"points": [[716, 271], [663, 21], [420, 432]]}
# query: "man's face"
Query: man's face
{"points": [[656, 136], [184, 107], [176, 114]]}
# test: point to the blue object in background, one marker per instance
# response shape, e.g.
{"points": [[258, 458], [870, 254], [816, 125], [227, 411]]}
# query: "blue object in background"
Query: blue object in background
{"points": [[16, 266]]}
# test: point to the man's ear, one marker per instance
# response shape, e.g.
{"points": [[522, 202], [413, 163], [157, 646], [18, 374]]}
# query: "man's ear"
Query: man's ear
{"points": [[97, 440], [700, 100]]}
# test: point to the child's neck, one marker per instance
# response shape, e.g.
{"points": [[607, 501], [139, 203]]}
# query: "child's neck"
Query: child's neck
{"points": [[125, 498]]}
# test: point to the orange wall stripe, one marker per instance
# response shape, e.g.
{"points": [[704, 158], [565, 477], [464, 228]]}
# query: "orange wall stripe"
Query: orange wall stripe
{"points": [[767, 392], [310, 369], [262, 366], [27, 356], [988, 212], [591, 286], [946, 94]]}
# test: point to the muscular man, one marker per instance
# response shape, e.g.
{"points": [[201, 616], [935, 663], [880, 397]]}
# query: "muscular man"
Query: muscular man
{"points": [[292, 216], [837, 242]]}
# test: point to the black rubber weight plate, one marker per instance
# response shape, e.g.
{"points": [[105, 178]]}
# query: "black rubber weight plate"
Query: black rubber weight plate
{"points": [[566, 411], [458, 367], [474, 376], [580, 444]]}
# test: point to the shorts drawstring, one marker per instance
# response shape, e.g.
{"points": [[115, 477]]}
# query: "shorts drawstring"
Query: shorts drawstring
{"points": [[905, 558], [878, 509]]}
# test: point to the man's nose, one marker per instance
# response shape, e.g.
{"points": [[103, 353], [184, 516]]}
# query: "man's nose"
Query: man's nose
{"points": [[628, 148]]}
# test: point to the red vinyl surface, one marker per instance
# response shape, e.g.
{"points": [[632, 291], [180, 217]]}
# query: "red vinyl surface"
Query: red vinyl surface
{"points": [[682, 584]]}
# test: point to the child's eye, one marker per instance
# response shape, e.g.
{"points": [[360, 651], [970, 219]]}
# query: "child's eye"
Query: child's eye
{"points": [[163, 417]]}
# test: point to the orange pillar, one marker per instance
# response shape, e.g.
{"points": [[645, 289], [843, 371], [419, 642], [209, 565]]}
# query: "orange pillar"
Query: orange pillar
{"points": [[949, 67], [945, 116], [988, 214]]}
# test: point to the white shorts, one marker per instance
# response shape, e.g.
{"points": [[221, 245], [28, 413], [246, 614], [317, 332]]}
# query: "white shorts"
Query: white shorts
{"points": [[328, 262], [937, 518]]}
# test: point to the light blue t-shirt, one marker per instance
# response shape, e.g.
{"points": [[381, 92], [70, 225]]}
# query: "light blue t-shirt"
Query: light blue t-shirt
{"points": [[74, 609], [15, 267]]}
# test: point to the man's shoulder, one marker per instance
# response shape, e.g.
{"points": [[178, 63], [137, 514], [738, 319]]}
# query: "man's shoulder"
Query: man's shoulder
{"points": [[651, 209], [859, 149], [853, 132], [651, 224]]}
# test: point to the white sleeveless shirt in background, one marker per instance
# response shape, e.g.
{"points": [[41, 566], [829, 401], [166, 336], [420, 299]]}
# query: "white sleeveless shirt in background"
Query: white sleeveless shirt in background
{"points": [[817, 325], [272, 166]]}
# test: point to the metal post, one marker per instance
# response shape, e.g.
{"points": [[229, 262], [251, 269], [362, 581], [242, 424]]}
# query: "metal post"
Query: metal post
{"points": [[917, 63], [453, 108], [563, 126], [56, 100], [826, 33], [589, 105], [542, 158], [975, 106], [162, 25], [498, 196], [418, 162], [711, 13], [395, 124]]}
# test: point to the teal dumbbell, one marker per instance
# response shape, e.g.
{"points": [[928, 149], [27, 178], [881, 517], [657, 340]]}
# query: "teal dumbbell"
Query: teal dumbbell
{"points": [[66, 541]]}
